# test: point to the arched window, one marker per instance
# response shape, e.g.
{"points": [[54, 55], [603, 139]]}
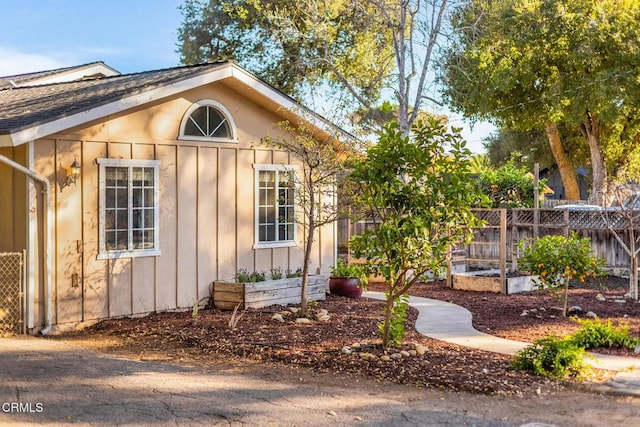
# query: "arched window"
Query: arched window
{"points": [[207, 120]]}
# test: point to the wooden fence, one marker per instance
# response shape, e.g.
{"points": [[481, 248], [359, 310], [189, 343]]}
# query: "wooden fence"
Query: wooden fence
{"points": [[497, 243]]}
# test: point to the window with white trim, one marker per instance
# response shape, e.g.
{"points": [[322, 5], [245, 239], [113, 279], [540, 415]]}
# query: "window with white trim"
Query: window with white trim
{"points": [[208, 120], [275, 205], [129, 214]]}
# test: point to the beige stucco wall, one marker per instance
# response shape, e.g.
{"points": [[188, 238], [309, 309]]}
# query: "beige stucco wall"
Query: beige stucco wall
{"points": [[206, 210]]}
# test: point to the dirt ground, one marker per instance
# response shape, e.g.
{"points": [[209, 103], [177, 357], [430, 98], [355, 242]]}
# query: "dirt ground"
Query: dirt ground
{"points": [[316, 351]]}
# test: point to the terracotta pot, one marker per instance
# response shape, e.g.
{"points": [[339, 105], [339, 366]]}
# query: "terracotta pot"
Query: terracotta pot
{"points": [[345, 286]]}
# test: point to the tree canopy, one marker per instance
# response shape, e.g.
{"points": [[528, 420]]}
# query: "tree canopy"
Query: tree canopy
{"points": [[354, 54], [550, 62]]}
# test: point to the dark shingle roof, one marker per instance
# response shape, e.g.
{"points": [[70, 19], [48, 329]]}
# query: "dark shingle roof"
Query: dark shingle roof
{"points": [[9, 82], [29, 106]]}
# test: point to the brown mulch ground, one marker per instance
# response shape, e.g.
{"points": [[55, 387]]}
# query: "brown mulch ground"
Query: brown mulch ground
{"points": [[180, 336]]}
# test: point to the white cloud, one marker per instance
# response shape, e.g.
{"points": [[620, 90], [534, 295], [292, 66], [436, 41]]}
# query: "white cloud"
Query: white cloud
{"points": [[13, 62]]}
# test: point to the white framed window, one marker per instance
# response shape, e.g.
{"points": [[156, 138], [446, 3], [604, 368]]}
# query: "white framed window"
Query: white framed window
{"points": [[129, 220], [208, 120], [275, 206]]}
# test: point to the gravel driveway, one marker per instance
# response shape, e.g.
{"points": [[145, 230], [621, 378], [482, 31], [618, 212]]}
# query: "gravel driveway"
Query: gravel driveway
{"points": [[59, 383]]}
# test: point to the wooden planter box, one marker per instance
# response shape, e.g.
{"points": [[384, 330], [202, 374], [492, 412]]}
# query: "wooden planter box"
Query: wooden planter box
{"points": [[489, 281], [227, 295]]}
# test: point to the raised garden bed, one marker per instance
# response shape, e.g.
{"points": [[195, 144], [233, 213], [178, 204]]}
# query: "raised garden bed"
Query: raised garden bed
{"points": [[227, 295], [489, 281]]}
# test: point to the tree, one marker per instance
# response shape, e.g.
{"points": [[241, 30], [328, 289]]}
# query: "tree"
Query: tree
{"points": [[421, 198], [548, 62], [350, 53], [322, 159], [625, 222]]}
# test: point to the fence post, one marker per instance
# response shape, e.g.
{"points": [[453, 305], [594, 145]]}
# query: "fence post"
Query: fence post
{"points": [[503, 249]]}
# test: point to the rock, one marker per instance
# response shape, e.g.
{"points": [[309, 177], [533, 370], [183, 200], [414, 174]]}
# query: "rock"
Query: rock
{"points": [[591, 315], [302, 320], [413, 353], [324, 318], [332, 413], [396, 356], [542, 309], [421, 350], [346, 350], [285, 313], [385, 358], [576, 309], [355, 345], [277, 318], [322, 312], [533, 310], [637, 349], [620, 301], [524, 313], [294, 310], [405, 353], [600, 297]]}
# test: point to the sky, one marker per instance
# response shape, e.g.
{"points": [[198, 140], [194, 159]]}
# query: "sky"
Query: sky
{"points": [[129, 36]]}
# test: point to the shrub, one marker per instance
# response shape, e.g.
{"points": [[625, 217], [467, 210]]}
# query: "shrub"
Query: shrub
{"points": [[397, 321], [596, 333], [556, 260], [297, 273], [343, 269], [243, 276], [508, 186], [276, 273], [553, 357]]}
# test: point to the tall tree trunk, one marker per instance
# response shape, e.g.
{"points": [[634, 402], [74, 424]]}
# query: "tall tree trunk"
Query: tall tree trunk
{"points": [[567, 171], [591, 131]]}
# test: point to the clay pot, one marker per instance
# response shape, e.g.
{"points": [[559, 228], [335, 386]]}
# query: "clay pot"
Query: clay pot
{"points": [[345, 286]]}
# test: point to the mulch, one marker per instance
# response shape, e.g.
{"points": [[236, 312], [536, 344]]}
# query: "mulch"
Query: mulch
{"points": [[348, 344]]}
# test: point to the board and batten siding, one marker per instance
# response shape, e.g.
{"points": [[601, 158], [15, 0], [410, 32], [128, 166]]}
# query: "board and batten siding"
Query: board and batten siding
{"points": [[206, 207]]}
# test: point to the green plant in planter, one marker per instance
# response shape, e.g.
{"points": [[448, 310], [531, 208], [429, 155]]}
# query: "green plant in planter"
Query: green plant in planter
{"points": [[243, 276], [556, 260], [276, 273], [344, 269]]}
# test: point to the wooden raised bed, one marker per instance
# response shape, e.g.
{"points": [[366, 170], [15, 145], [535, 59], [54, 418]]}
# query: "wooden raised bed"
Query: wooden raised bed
{"points": [[490, 281], [227, 295]]}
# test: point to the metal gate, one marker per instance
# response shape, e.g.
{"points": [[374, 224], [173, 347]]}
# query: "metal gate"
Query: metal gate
{"points": [[11, 293]]}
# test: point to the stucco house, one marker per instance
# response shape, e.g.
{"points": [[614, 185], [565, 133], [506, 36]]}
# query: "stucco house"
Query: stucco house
{"points": [[159, 185]]}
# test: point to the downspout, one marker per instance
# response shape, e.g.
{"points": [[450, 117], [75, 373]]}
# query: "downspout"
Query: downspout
{"points": [[47, 235]]}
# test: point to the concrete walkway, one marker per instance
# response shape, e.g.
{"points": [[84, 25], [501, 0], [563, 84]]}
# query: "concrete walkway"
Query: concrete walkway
{"points": [[452, 323]]}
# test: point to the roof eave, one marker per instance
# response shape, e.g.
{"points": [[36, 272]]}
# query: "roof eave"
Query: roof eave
{"points": [[228, 70]]}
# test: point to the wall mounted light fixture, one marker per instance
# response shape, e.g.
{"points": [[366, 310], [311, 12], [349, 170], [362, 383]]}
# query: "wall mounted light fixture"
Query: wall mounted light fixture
{"points": [[73, 173]]}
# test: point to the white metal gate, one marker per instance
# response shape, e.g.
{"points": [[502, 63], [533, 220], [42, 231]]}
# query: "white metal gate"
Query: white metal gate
{"points": [[12, 293]]}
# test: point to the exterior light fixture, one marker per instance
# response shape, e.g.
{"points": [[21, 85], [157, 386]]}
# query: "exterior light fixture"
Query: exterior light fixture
{"points": [[73, 173]]}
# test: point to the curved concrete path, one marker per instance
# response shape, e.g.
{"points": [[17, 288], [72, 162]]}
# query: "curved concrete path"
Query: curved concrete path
{"points": [[452, 323]]}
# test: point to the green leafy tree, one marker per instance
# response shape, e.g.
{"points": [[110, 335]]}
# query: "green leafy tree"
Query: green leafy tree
{"points": [[355, 54], [549, 62], [421, 197], [509, 186], [557, 260], [322, 158]]}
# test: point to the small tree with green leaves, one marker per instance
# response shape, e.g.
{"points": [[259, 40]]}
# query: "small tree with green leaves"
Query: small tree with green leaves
{"points": [[421, 197], [557, 260], [322, 159]]}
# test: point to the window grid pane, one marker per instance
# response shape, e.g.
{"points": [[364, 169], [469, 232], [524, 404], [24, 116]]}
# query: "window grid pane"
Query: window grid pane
{"points": [[208, 122], [275, 206], [129, 208]]}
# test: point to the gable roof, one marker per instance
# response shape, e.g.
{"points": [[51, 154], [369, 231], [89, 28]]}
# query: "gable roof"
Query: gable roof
{"points": [[31, 112], [77, 72]]}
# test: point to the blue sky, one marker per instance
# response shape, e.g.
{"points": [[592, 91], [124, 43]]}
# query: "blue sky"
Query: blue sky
{"points": [[130, 36]]}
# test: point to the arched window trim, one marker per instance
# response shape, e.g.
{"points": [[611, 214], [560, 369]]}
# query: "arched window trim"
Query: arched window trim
{"points": [[217, 106]]}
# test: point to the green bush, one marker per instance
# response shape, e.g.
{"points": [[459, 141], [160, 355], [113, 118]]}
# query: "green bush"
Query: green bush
{"points": [[290, 273], [276, 273], [556, 260], [553, 357], [508, 186], [243, 276], [397, 321], [596, 333]]}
